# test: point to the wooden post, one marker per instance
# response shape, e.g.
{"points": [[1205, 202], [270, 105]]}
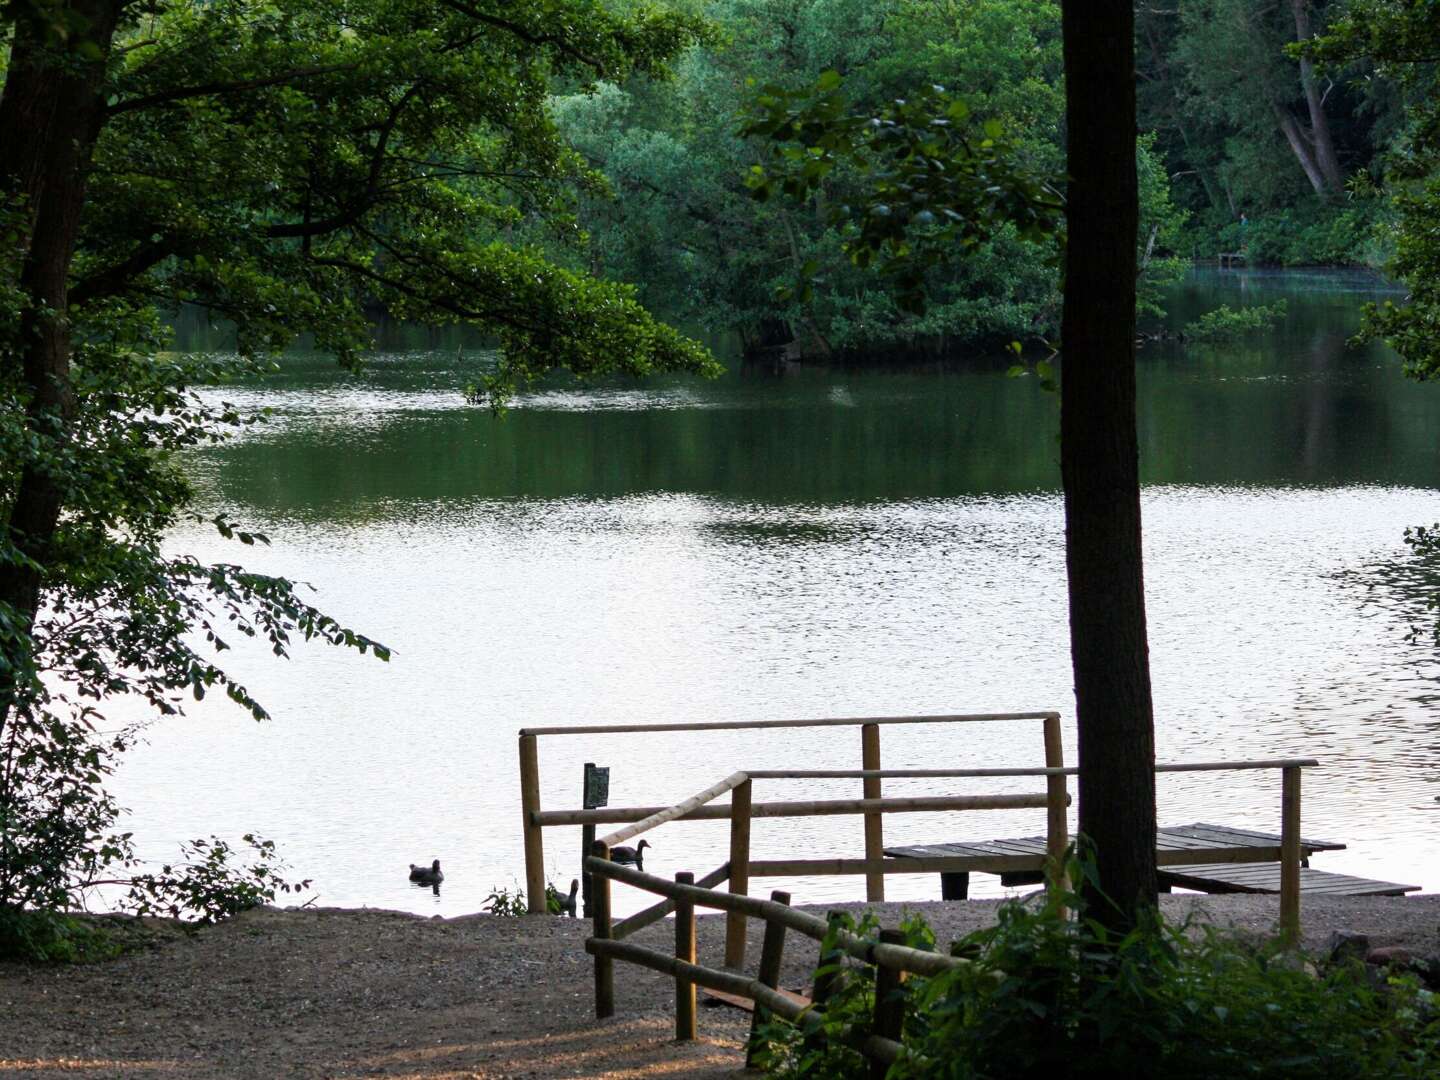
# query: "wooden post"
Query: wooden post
{"points": [[739, 872], [685, 1028], [955, 885], [772, 951], [1290, 855], [889, 1005], [534, 842], [874, 829], [587, 831], [604, 965], [1057, 830], [587, 845]]}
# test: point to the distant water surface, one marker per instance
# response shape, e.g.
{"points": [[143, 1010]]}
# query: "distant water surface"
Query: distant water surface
{"points": [[812, 543]]}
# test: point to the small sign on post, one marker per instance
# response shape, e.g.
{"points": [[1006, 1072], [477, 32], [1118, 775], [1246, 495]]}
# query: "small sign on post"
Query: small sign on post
{"points": [[596, 793], [597, 785]]}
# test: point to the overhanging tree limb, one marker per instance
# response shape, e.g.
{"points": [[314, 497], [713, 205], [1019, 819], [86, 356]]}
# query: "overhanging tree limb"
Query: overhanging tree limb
{"points": [[214, 89]]}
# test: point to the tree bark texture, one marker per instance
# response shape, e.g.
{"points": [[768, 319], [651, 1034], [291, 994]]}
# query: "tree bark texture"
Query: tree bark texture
{"points": [[1325, 159], [1301, 148], [1099, 461], [50, 117]]}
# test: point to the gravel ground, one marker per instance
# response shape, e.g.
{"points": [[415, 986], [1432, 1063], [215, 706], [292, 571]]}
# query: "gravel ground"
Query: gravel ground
{"points": [[347, 993]]}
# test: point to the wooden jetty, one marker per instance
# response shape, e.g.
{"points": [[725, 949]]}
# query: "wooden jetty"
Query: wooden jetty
{"points": [[1220, 857], [1189, 857], [1033, 856]]}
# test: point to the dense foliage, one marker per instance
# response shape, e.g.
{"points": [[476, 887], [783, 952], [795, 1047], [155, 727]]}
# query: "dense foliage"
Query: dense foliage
{"points": [[685, 227], [1267, 153], [1401, 39], [1046, 996]]}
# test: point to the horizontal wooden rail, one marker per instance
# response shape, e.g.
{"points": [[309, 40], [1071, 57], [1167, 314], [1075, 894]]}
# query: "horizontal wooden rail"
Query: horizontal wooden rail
{"points": [[812, 808], [729, 982], [1036, 770], [750, 725], [679, 810], [885, 1050], [1229, 766], [939, 864], [641, 919], [900, 957], [987, 864]]}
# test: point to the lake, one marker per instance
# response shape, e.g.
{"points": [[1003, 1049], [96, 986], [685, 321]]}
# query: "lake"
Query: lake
{"points": [[807, 543]]}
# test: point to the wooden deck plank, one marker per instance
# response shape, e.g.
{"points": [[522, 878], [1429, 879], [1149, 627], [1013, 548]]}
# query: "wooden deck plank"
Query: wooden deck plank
{"points": [[1265, 878], [1019, 846], [745, 1004], [1198, 836], [1224, 832]]}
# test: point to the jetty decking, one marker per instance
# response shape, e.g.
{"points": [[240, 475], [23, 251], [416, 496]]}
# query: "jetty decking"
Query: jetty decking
{"points": [[1265, 878], [1190, 857]]}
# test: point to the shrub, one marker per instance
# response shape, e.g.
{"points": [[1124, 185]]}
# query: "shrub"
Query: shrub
{"points": [[1054, 997], [207, 884], [509, 903], [1308, 234], [1226, 322]]}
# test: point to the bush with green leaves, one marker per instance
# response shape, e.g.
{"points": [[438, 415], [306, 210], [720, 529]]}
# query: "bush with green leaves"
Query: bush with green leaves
{"points": [[1051, 996], [1308, 233], [509, 902], [1225, 322]]}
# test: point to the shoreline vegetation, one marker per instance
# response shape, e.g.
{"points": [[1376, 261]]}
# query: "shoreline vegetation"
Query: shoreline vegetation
{"points": [[351, 992]]}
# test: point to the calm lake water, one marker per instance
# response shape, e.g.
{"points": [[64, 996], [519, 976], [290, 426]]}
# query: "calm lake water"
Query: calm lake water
{"points": [[812, 543]]}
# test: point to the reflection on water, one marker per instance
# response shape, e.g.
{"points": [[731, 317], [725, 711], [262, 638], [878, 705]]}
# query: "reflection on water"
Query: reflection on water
{"points": [[815, 543]]}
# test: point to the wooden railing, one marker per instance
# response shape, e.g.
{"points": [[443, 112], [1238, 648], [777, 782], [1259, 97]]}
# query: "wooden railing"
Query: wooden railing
{"points": [[536, 819], [892, 960], [741, 810]]}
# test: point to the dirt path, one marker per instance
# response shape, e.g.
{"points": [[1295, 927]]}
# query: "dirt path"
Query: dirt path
{"points": [[344, 993]]}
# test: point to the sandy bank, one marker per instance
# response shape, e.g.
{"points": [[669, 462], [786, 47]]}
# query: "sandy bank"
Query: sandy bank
{"points": [[350, 993]]}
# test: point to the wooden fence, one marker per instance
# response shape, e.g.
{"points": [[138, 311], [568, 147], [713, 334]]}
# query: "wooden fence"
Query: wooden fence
{"points": [[879, 1043], [535, 819]]}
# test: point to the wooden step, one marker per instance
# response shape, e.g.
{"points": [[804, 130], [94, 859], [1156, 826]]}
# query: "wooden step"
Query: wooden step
{"points": [[1265, 878], [720, 997]]}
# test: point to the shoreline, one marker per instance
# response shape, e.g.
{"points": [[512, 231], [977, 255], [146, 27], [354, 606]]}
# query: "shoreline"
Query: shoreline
{"points": [[351, 992]]}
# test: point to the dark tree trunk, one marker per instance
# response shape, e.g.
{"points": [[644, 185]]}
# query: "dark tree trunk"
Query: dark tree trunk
{"points": [[1325, 159], [1099, 461], [1303, 153], [50, 116]]}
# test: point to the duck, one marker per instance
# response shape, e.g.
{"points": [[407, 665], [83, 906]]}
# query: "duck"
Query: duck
{"points": [[427, 875], [567, 903], [634, 855]]}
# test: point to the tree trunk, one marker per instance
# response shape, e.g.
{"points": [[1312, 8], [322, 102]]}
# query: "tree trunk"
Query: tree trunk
{"points": [[1099, 462], [50, 117], [1325, 159], [1303, 154]]}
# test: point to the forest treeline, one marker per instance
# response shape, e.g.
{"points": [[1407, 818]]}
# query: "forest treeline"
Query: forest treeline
{"points": [[1244, 147]]}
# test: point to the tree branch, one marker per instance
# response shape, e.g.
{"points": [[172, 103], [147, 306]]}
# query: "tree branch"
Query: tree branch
{"points": [[364, 202], [113, 279], [454, 307], [180, 93], [523, 34]]}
